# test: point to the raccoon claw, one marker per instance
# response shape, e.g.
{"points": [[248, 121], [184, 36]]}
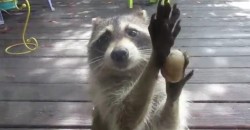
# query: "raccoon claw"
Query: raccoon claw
{"points": [[186, 57], [163, 29], [163, 10]]}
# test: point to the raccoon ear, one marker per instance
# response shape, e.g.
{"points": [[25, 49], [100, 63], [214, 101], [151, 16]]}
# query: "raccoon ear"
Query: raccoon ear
{"points": [[96, 20], [142, 14]]}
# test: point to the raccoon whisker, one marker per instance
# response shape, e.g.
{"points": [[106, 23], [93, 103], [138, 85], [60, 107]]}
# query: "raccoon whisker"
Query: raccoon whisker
{"points": [[144, 59], [98, 67], [99, 51], [94, 61], [143, 48], [96, 58], [140, 67], [149, 53], [145, 51]]}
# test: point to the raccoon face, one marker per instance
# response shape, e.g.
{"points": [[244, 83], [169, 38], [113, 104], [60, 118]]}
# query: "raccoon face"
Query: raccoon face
{"points": [[120, 43]]}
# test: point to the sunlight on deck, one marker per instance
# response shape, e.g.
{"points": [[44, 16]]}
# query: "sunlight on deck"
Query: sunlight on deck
{"points": [[37, 72], [221, 61], [67, 62], [210, 50], [215, 89], [242, 5]]}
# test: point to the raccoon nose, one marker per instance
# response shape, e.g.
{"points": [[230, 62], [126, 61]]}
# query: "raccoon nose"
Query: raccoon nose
{"points": [[119, 55]]}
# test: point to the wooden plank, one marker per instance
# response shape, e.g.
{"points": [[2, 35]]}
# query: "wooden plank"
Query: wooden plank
{"points": [[49, 63], [122, 4], [62, 44], [219, 62], [42, 75], [41, 128], [79, 114], [233, 5], [142, 4], [51, 43], [220, 114], [33, 63], [221, 76], [52, 23], [76, 12], [183, 1], [230, 42], [217, 51], [45, 114], [215, 129], [195, 47], [187, 32], [65, 25], [216, 13], [225, 22], [65, 49], [44, 92], [57, 22], [89, 129], [79, 92], [111, 4], [213, 32], [185, 42], [198, 2], [184, 13], [96, 2], [82, 52], [218, 92], [87, 2], [88, 13], [44, 128]]}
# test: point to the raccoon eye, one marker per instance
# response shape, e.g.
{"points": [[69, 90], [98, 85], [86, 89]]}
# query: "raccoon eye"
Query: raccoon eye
{"points": [[102, 43], [106, 37], [132, 32]]}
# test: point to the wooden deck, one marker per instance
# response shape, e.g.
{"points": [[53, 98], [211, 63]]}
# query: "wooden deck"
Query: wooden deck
{"points": [[47, 89]]}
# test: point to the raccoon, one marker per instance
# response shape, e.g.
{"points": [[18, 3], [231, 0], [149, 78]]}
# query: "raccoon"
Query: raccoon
{"points": [[125, 55]]}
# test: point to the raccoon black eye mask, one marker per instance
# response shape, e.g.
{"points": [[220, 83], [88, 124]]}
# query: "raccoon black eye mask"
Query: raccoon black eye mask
{"points": [[102, 43]]}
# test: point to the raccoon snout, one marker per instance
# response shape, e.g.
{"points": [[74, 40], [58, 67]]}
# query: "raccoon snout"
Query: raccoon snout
{"points": [[120, 55]]}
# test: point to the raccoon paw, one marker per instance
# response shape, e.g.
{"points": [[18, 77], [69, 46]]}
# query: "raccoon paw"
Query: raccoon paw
{"points": [[174, 73], [163, 29]]}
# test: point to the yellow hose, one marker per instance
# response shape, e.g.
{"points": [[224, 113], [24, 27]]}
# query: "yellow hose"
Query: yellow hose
{"points": [[31, 43]]}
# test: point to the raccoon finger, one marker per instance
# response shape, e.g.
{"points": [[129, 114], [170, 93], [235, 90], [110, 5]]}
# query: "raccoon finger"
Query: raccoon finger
{"points": [[151, 26], [186, 60], [175, 13], [174, 89], [163, 10], [187, 77], [176, 29], [181, 83], [174, 16]]}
